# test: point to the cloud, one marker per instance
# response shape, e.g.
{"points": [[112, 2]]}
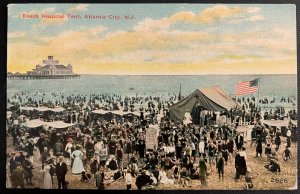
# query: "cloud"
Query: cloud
{"points": [[16, 34], [253, 9], [218, 13], [150, 25], [97, 30], [79, 7], [208, 15], [256, 18]]}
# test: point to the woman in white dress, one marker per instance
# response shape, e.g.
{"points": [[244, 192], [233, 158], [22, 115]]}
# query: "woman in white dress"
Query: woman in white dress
{"points": [[77, 156], [163, 179], [68, 149], [47, 178]]}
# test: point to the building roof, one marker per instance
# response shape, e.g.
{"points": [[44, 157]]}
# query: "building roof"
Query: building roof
{"points": [[56, 66], [61, 67]]}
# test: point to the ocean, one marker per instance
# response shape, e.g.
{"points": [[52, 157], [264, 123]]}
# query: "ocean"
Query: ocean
{"points": [[156, 85]]}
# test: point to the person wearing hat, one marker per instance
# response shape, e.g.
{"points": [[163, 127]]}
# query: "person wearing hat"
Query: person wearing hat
{"points": [[201, 146], [212, 149], [143, 180], [220, 166], [28, 167], [98, 145], [176, 171], [17, 176], [119, 155], [53, 136], [99, 177], [259, 147], [89, 147], [40, 143], [94, 164], [112, 164], [47, 180], [141, 148], [112, 146], [248, 179], [30, 148], [61, 171], [239, 141], [77, 156], [21, 157], [184, 177], [286, 155], [277, 139], [202, 171], [103, 154], [274, 166], [69, 148], [12, 162], [128, 179]]}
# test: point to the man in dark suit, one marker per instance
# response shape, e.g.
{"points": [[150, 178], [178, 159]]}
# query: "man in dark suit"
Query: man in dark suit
{"points": [[61, 171], [239, 141], [12, 162]]}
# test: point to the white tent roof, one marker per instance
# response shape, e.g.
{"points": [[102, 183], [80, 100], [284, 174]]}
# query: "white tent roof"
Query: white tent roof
{"points": [[42, 109], [279, 123], [117, 112], [34, 123], [55, 124], [59, 124]]}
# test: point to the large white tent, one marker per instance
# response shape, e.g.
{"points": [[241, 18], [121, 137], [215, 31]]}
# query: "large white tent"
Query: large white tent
{"points": [[55, 124]]}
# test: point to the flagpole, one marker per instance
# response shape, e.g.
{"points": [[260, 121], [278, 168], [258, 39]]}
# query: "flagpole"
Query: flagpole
{"points": [[258, 85]]}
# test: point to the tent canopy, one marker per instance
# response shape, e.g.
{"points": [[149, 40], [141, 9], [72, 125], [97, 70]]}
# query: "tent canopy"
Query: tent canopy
{"points": [[42, 109], [117, 112], [55, 124], [34, 123], [212, 98], [59, 124], [279, 123]]}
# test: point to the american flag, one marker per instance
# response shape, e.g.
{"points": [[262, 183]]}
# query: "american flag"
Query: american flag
{"points": [[247, 87]]}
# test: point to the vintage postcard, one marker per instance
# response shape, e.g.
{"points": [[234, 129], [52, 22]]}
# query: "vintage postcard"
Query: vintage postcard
{"points": [[152, 96]]}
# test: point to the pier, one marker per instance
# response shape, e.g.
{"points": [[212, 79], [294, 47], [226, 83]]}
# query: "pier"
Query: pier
{"points": [[29, 77]]}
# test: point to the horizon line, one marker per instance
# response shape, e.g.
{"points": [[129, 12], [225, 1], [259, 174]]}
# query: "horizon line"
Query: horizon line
{"points": [[182, 74]]}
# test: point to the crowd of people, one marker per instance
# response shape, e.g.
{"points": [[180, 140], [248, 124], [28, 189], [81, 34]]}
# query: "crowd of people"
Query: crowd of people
{"points": [[104, 150]]}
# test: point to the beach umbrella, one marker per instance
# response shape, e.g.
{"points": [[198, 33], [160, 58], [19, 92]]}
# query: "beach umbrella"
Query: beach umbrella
{"points": [[34, 123]]}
